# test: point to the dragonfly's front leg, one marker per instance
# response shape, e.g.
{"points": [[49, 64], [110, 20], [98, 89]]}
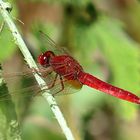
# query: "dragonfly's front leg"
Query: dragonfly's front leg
{"points": [[62, 86], [43, 72], [48, 86], [53, 83]]}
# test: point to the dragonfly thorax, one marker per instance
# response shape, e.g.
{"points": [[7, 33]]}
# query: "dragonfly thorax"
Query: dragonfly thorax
{"points": [[66, 66]]}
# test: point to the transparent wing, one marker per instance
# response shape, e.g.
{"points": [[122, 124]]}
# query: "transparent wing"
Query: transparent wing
{"points": [[21, 84], [51, 45], [70, 87], [63, 86], [24, 85], [23, 92]]}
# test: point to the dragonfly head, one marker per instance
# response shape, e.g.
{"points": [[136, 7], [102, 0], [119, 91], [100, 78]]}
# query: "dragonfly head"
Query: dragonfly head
{"points": [[44, 58]]}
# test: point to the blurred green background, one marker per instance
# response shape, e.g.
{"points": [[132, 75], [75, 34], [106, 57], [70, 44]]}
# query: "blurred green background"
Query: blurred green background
{"points": [[104, 36]]}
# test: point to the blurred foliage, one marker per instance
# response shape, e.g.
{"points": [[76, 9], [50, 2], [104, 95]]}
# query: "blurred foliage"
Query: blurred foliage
{"points": [[7, 42], [8, 119], [75, 2], [6, 51], [104, 43]]}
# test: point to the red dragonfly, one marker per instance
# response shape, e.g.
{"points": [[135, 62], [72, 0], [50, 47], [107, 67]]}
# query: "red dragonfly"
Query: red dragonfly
{"points": [[68, 69], [69, 74]]}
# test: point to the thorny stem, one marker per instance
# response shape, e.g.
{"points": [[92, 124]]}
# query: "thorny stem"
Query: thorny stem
{"points": [[4, 6]]}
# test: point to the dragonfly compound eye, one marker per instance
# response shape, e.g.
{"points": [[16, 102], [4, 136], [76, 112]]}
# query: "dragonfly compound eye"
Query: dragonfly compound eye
{"points": [[42, 59]]}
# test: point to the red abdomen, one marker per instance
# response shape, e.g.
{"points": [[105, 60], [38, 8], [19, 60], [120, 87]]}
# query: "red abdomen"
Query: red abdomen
{"points": [[96, 83]]}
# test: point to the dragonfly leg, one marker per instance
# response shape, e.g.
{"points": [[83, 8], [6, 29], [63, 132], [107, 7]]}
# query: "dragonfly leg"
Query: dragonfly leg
{"points": [[62, 86], [43, 72], [49, 87], [53, 83], [34, 70], [46, 72]]}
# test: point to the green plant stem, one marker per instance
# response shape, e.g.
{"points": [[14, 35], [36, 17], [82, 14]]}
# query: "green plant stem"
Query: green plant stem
{"points": [[27, 56]]}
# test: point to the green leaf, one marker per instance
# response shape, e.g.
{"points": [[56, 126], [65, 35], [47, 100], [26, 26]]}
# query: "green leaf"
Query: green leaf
{"points": [[7, 44]]}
